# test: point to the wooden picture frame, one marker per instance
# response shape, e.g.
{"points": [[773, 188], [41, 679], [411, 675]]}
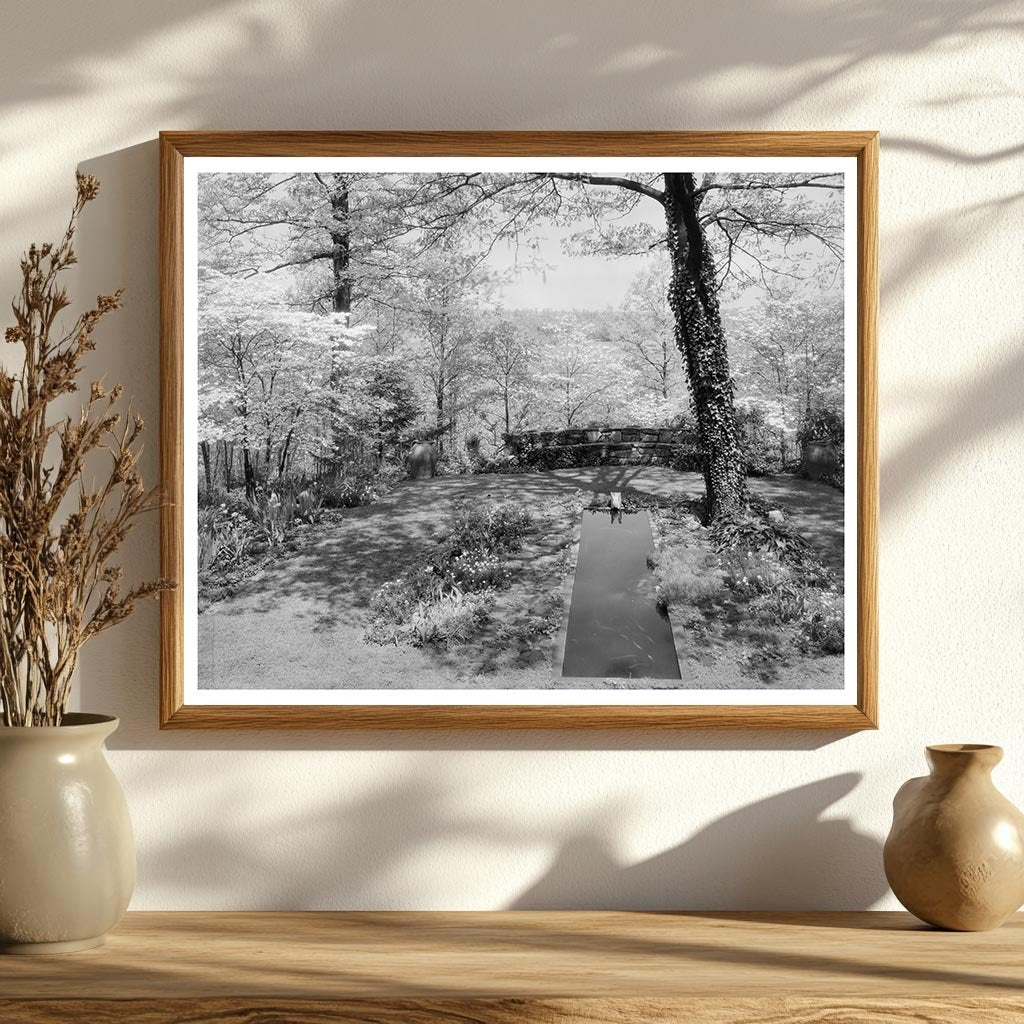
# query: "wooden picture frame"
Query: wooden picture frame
{"points": [[177, 147]]}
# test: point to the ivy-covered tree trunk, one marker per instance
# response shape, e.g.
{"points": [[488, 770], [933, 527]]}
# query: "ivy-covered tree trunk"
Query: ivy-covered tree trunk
{"points": [[698, 330]]}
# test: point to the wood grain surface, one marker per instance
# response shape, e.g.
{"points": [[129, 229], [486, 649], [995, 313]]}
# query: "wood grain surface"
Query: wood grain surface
{"points": [[175, 147], [526, 955], [505, 967], [515, 1011]]}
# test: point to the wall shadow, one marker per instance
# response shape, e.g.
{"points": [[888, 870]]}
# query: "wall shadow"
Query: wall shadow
{"points": [[782, 852], [980, 407], [214, 64], [777, 853], [543, 65]]}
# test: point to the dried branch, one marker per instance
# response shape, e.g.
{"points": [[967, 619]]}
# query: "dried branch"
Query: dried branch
{"points": [[58, 587]]}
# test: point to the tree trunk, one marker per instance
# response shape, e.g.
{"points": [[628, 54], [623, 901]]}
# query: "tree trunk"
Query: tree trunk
{"points": [[439, 400], [204, 447], [229, 461], [250, 474], [701, 340], [282, 463], [341, 249]]}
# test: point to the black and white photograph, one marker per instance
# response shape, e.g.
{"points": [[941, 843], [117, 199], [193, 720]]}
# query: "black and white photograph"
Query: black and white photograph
{"points": [[549, 428]]}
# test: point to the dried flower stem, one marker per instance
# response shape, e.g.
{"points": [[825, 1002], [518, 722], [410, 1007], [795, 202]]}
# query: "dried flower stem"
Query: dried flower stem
{"points": [[58, 587]]}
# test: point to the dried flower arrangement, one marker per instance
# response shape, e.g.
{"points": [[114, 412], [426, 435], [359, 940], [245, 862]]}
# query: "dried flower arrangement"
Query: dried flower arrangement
{"points": [[58, 587]]}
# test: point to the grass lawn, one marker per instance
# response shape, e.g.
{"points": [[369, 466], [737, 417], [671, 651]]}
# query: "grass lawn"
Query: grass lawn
{"points": [[300, 622]]}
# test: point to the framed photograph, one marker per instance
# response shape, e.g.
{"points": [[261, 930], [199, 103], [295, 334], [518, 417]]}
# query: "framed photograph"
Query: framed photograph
{"points": [[519, 430]]}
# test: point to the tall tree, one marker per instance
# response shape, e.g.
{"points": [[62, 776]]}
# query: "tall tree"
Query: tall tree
{"points": [[586, 379], [265, 370], [505, 365]]}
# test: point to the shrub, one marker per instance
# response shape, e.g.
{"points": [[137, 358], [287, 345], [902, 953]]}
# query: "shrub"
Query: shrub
{"points": [[489, 528], [446, 616], [754, 573], [209, 538], [752, 532], [823, 627], [395, 600], [223, 536], [456, 463], [760, 440], [451, 619], [235, 539], [222, 498], [272, 515], [350, 491], [502, 464], [472, 571], [780, 606], [687, 458], [686, 577]]}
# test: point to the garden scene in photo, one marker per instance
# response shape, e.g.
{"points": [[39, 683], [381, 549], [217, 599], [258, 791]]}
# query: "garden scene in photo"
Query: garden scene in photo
{"points": [[524, 430]]}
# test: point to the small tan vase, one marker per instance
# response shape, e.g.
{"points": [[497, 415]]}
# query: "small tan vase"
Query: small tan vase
{"points": [[955, 854], [67, 859]]}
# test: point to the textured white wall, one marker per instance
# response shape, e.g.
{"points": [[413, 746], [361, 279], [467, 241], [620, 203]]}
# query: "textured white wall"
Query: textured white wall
{"points": [[570, 819]]}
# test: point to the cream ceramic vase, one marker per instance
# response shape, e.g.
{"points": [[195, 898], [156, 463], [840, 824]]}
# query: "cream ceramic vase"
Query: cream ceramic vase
{"points": [[955, 855], [67, 859]]}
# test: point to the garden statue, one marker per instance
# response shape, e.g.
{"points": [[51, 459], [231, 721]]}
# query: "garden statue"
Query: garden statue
{"points": [[615, 504], [306, 504], [422, 460]]}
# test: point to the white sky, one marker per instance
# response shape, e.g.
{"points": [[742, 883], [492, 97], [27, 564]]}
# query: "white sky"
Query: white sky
{"points": [[570, 282]]}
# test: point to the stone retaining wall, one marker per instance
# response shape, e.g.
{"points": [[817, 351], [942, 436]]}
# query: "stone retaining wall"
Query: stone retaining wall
{"points": [[606, 446]]}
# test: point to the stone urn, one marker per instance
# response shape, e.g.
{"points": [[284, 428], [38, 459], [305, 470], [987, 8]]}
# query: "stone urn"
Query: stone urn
{"points": [[819, 459], [67, 859], [422, 460], [955, 854]]}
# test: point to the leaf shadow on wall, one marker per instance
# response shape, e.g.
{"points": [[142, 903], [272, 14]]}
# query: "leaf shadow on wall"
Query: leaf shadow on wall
{"points": [[776, 853], [389, 64], [979, 408], [383, 849]]}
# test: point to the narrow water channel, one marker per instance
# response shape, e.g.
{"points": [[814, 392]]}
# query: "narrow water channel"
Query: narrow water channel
{"points": [[615, 629]]}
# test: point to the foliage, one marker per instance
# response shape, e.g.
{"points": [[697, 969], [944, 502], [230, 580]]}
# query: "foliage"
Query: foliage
{"points": [[585, 377], [267, 370], [490, 528], [352, 490], [471, 571], [444, 601], [775, 603], [450, 618], [789, 366], [783, 593], [686, 577], [763, 451], [756, 573], [209, 539], [752, 532], [272, 515], [501, 464], [58, 586], [824, 425], [823, 624], [456, 463], [376, 404]]}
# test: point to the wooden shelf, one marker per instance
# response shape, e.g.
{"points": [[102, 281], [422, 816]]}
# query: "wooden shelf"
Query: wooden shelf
{"points": [[704, 968]]}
